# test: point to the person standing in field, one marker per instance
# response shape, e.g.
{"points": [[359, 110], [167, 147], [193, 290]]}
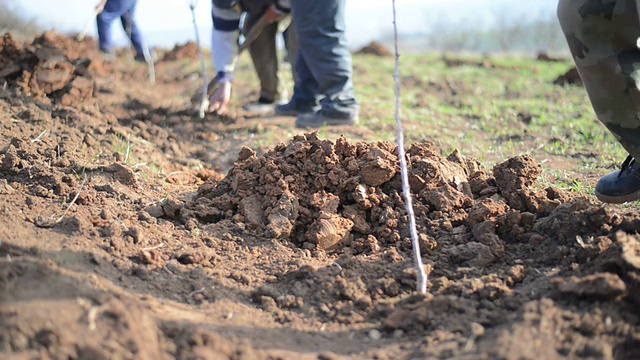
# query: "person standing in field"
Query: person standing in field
{"points": [[603, 37], [324, 93], [108, 11], [226, 15]]}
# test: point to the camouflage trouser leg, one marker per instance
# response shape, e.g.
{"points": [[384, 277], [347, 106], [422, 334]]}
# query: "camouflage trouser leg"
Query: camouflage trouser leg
{"points": [[603, 37]]}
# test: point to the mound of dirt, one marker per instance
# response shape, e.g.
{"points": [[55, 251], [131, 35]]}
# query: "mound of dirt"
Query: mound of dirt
{"points": [[571, 77], [324, 196], [12, 57], [543, 56], [51, 66], [70, 47], [456, 62], [375, 48], [179, 52]]}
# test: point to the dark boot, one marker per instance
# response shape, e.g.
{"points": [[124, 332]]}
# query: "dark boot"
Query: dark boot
{"points": [[293, 108], [319, 119], [288, 109], [622, 185]]}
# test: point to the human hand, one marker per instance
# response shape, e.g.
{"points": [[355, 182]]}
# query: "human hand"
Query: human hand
{"points": [[220, 98], [272, 14]]}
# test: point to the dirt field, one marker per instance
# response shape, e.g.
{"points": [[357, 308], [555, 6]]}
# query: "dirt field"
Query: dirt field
{"points": [[133, 230]]}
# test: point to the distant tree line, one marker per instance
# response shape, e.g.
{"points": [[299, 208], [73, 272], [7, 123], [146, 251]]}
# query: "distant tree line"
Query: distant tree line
{"points": [[506, 35]]}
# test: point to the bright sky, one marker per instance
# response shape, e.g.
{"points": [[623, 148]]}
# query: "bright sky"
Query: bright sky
{"points": [[166, 22]]}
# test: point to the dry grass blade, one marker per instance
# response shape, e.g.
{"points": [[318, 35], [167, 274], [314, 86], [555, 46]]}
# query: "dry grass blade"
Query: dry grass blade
{"points": [[39, 136], [53, 221]]}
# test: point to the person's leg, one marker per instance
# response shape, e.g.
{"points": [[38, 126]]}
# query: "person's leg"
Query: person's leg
{"points": [[129, 25], [265, 59], [603, 39], [305, 92], [104, 21], [291, 43], [320, 26]]}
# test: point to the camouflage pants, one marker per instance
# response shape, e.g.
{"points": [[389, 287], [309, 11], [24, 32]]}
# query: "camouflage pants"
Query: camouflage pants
{"points": [[603, 39]]}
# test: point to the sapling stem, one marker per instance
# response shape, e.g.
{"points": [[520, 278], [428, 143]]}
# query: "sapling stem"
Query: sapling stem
{"points": [[406, 190], [204, 102]]}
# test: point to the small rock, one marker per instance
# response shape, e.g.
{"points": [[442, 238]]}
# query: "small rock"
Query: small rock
{"points": [[517, 273], [155, 210], [5, 188], [602, 285], [477, 330], [123, 173], [89, 140], [145, 216], [375, 334], [136, 234]]}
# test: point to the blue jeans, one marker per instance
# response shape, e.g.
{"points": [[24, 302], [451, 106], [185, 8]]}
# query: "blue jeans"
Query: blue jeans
{"points": [[123, 9], [324, 62]]}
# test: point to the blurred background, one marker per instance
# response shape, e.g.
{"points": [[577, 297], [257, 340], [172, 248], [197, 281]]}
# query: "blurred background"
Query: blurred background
{"points": [[488, 26]]}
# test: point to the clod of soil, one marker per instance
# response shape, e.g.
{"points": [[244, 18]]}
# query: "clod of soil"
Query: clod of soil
{"points": [[51, 66], [375, 48], [180, 52], [453, 62], [543, 56], [571, 77]]}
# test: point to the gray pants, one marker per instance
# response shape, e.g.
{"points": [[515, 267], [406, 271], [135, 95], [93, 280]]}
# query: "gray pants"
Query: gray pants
{"points": [[324, 62], [603, 36]]}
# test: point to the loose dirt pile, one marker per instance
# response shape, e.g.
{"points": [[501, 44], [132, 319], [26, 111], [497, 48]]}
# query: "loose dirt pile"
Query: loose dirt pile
{"points": [[121, 240], [571, 77], [180, 52], [52, 66], [456, 62], [543, 56], [375, 48]]}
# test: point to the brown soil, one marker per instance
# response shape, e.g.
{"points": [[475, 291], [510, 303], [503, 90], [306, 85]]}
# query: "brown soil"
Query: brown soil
{"points": [[571, 77], [543, 56], [131, 229], [375, 48], [180, 52], [456, 62]]}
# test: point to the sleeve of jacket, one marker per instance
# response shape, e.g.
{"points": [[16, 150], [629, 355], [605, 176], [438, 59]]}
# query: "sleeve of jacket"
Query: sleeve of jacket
{"points": [[224, 37]]}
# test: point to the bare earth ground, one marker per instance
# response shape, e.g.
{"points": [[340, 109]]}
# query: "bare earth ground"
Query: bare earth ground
{"points": [[132, 230]]}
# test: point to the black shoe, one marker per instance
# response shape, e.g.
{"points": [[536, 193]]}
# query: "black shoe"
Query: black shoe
{"points": [[620, 186], [318, 120], [288, 109], [293, 109]]}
